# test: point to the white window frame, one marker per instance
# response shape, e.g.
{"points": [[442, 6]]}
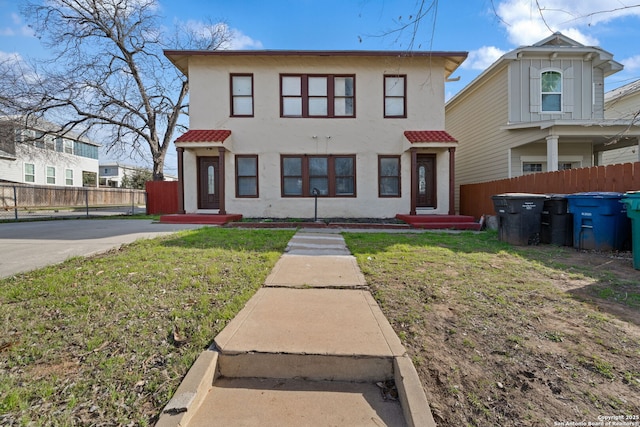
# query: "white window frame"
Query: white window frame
{"points": [[68, 177], [574, 160], [47, 169], [542, 93], [32, 175]]}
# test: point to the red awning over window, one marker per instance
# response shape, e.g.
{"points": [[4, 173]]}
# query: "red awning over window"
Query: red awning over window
{"points": [[204, 135], [415, 136]]}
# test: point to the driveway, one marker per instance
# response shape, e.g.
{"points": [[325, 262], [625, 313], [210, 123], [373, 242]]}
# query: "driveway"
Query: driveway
{"points": [[26, 246]]}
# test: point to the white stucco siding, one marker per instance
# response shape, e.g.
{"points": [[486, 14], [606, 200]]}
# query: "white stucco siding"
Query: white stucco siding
{"points": [[269, 136]]}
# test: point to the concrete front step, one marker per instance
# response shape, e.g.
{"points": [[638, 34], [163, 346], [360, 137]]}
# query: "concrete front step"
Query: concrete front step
{"points": [[204, 398], [284, 403]]}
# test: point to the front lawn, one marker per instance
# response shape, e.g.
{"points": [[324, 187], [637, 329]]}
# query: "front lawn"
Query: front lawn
{"points": [[508, 336], [106, 340]]}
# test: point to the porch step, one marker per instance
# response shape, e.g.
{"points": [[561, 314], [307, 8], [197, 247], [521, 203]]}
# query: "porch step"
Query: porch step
{"points": [[289, 402], [441, 222], [210, 219]]}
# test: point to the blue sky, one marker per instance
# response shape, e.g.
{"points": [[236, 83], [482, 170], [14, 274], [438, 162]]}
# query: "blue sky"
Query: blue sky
{"points": [[484, 28]]}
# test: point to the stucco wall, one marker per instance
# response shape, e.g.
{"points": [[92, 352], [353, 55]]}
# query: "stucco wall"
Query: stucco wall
{"points": [[267, 135]]}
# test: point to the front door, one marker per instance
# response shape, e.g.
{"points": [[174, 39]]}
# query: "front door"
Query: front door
{"points": [[208, 179], [425, 176]]}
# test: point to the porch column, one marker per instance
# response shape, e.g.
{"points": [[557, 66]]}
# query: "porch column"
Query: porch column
{"points": [[221, 173], [638, 149], [552, 153], [180, 180], [452, 180], [414, 183]]}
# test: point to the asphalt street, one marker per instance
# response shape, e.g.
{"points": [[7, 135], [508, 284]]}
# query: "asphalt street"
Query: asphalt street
{"points": [[25, 246]]}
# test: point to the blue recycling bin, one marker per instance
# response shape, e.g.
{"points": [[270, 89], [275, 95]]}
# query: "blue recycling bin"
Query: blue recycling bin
{"points": [[600, 221], [632, 202]]}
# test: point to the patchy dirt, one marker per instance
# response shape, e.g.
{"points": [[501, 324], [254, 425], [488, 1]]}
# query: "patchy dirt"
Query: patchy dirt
{"points": [[548, 356]]}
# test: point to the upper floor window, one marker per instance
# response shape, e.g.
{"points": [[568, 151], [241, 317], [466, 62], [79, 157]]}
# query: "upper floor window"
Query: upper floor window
{"points": [[85, 150], [395, 96], [551, 88], [317, 96], [242, 95]]}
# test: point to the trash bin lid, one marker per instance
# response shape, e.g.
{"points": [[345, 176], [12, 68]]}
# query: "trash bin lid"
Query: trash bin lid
{"points": [[632, 194], [521, 196], [596, 195], [557, 196]]}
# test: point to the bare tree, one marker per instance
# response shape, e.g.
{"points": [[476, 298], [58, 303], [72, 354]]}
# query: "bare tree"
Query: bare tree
{"points": [[108, 73]]}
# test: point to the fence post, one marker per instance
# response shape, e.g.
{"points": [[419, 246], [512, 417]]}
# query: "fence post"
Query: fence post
{"points": [[15, 202], [132, 200], [86, 200]]}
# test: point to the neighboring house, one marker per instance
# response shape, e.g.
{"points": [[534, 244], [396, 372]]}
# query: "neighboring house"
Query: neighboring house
{"points": [[112, 174], [538, 108], [623, 103], [33, 153], [270, 129]]}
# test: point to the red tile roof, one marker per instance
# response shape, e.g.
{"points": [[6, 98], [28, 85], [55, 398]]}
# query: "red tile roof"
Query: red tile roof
{"points": [[204, 135], [428, 136]]}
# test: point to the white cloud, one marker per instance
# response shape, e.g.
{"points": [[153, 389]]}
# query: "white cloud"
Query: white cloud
{"points": [[631, 64], [240, 41], [10, 57], [525, 23], [237, 39], [18, 28], [481, 59]]}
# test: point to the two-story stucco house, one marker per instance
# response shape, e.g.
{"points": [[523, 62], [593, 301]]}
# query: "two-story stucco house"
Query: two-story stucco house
{"points": [[270, 130], [538, 108], [623, 103], [33, 153]]}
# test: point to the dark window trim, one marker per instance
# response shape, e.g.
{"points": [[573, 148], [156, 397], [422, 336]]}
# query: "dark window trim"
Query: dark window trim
{"points": [[404, 97], [389, 156], [232, 97], [331, 97], [331, 175], [257, 176]]}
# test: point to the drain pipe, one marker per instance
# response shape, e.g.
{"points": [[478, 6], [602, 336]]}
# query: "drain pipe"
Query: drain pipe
{"points": [[315, 193]]}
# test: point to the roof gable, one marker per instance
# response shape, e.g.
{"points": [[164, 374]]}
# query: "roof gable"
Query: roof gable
{"points": [[557, 40]]}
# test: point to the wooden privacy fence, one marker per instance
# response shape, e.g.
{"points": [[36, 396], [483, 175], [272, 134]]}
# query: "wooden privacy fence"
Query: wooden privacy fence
{"points": [[21, 197], [475, 199], [162, 197]]}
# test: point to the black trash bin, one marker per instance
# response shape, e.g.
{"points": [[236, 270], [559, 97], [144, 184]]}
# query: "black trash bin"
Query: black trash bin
{"points": [[519, 217], [556, 225]]}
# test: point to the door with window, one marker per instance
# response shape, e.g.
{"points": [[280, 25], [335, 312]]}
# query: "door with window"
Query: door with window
{"points": [[426, 181], [208, 179]]}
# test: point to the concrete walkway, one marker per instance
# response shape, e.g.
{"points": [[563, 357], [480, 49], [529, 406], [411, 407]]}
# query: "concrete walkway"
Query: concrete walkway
{"points": [[310, 348]]}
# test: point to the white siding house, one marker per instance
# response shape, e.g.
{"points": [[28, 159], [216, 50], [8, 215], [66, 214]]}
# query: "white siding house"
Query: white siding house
{"points": [[31, 154], [623, 103], [270, 129], [538, 108]]}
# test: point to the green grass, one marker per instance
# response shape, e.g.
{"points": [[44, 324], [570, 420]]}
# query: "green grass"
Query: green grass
{"points": [[110, 337]]}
